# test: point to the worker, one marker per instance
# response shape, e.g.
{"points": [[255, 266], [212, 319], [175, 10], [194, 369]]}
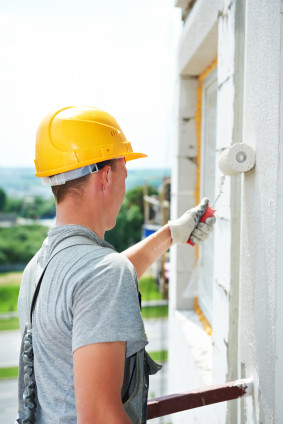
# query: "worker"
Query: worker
{"points": [[82, 356]]}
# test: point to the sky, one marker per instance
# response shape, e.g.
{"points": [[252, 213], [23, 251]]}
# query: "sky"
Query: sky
{"points": [[118, 55]]}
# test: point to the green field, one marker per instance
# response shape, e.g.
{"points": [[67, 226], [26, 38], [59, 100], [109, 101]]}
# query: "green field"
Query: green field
{"points": [[160, 356], [10, 285], [9, 290], [148, 289], [11, 372], [155, 312], [8, 298]]}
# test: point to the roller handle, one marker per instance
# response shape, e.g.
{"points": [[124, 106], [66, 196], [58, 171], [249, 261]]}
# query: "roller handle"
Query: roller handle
{"points": [[208, 213]]}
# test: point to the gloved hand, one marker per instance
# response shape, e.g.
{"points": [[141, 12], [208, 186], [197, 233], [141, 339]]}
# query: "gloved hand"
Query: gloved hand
{"points": [[202, 231], [188, 225]]}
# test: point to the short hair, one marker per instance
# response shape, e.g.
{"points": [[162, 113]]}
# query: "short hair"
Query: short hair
{"points": [[76, 186]]}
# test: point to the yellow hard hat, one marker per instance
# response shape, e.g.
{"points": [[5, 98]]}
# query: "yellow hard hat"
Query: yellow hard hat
{"points": [[75, 136]]}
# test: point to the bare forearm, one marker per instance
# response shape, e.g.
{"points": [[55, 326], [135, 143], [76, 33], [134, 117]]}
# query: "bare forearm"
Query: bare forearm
{"points": [[147, 251], [108, 415]]}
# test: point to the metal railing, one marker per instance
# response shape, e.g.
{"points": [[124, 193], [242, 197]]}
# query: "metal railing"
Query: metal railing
{"points": [[171, 404]]}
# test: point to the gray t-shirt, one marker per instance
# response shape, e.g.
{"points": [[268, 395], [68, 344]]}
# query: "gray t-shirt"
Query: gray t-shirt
{"points": [[88, 295]]}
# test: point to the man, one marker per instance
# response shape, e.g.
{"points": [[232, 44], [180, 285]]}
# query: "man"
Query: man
{"points": [[87, 334]]}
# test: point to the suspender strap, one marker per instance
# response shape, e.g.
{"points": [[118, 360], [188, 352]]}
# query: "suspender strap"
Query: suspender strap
{"points": [[36, 293], [80, 240]]}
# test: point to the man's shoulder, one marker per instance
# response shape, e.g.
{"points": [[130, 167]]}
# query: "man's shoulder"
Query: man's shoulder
{"points": [[117, 260], [30, 270], [108, 264]]}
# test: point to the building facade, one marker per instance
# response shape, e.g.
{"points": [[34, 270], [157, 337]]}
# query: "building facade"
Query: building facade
{"points": [[225, 315]]}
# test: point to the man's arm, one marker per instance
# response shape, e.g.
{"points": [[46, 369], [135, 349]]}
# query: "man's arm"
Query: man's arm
{"points": [[98, 377], [147, 251]]}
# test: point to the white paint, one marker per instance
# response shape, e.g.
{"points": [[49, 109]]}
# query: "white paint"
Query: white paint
{"points": [[259, 335], [183, 182], [261, 243], [190, 365], [219, 190], [184, 348], [223, 244], [279, 287], [199, 343], [201, 26], [208, 188]]}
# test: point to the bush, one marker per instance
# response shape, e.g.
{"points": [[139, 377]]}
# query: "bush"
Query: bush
{"points": [[31, 207], [128, 229], [3, 199], [19, 244]]}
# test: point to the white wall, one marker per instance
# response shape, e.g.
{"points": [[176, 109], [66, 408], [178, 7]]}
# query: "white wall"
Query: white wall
{"points": [[195, 359], [249, 46], [182, 186], [261, 250]]}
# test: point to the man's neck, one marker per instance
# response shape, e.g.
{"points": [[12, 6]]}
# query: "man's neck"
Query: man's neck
{"points": [[68, 214]]}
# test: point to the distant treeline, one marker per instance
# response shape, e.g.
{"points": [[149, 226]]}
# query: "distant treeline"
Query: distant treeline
{"points": [[21, 182], [19, 243], [32, 207]]}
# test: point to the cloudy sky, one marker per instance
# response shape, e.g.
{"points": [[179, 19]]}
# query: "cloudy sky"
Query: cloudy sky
{"points": [[117, 55]]}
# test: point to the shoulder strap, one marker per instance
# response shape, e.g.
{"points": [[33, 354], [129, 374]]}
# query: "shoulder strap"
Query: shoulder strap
{"points": [[80, 240]]}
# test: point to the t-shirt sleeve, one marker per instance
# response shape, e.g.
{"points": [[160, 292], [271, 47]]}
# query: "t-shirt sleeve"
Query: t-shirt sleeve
{"points": [[106, 306]]}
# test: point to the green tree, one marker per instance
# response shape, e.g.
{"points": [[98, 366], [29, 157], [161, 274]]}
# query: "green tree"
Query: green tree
{"points": [[19, 244], [31, 207], [14, 206], [47, 209], [3, 199], [135, 196], [128, 229]]}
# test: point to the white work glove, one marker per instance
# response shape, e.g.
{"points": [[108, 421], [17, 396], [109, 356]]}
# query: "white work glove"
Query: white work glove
{"points": [[188, 225]]}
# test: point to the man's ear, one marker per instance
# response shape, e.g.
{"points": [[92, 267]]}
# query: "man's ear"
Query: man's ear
{"points": [[106, 176]]}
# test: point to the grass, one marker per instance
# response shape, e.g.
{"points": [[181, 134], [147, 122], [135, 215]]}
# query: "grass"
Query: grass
{"points": [[148, 289], [160, 356], [9, 324], [9, 290], [155, 311], [9, 298], [11, 372]]}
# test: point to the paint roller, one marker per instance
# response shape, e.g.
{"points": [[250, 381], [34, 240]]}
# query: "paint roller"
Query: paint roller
{"points": [[234, 160]]}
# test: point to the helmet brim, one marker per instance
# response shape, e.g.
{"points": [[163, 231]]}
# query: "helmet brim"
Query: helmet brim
{"points": [[132, 156]]}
